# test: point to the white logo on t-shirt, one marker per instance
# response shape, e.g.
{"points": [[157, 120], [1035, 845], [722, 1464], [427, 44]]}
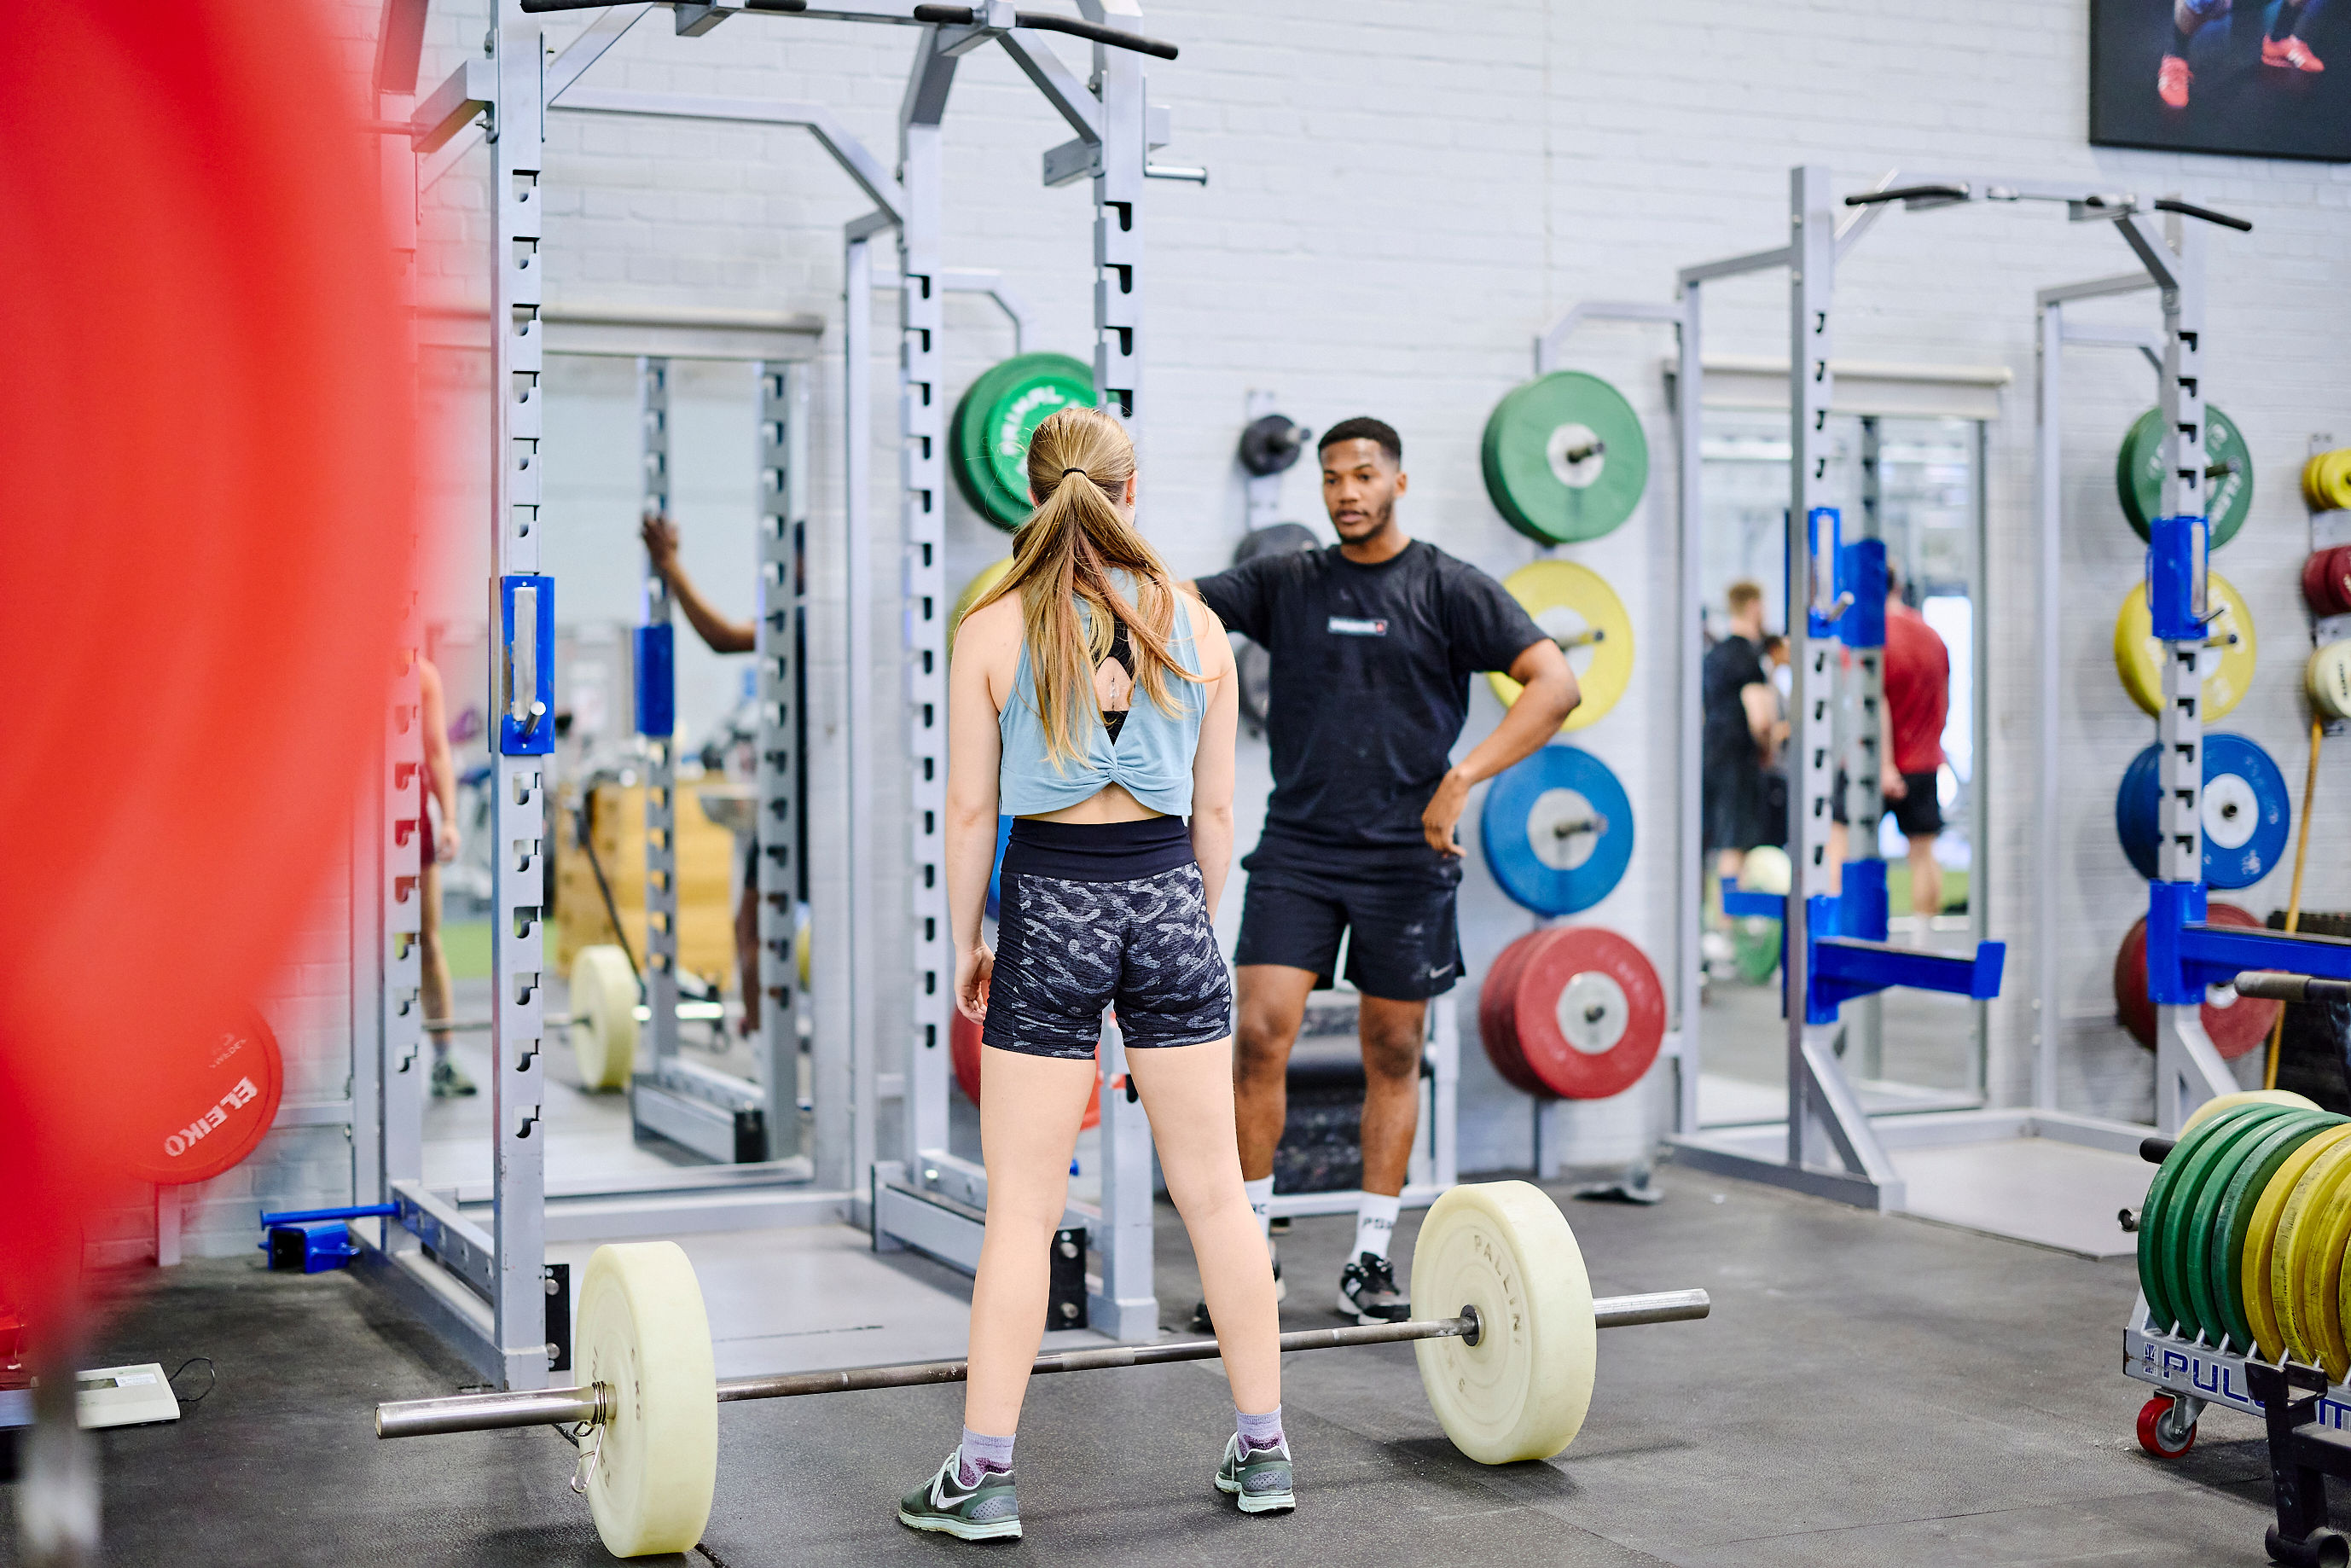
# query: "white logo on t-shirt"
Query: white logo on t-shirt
{"points": [[1343, 626]]}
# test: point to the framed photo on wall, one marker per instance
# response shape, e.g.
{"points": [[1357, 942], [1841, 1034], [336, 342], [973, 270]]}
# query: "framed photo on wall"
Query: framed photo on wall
{"points": [[2263, 79]]}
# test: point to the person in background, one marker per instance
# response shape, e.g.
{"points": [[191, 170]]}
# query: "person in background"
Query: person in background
{"points": [[1918, 702], [1373, 641], [437, 847], [720, 633], [1740, 708]]}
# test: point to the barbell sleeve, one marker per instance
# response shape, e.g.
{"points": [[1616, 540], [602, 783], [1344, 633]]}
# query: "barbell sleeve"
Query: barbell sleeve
{"points": [[2268, 985], [557, 1406]]}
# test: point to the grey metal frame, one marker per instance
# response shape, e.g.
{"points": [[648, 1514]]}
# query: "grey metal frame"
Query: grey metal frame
{"points": [[504, 99], [1833, 1147]]}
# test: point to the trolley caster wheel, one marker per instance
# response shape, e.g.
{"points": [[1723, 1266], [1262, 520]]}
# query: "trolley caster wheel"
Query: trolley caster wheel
{"points": [[2320, 1548], [2158, 1434]]}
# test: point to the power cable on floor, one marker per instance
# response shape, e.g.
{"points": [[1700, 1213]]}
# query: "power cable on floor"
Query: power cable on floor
{"points": [[211, 1379]]}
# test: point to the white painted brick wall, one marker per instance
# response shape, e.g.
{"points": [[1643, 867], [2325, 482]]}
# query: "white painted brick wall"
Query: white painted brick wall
{"points": [[1402, 196]]}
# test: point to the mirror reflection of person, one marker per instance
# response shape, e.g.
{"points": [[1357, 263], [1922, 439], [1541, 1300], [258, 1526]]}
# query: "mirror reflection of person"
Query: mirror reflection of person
{"points": [[1917, 702], [721, 633], [438, 847], [1741, 730]]}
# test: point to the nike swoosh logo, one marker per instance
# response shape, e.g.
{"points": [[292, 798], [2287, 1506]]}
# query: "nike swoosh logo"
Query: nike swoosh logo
{"points": [[942, 1497]]}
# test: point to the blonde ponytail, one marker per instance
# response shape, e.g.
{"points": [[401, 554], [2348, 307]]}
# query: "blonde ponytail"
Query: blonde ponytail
{"points": [[1078, 459]]}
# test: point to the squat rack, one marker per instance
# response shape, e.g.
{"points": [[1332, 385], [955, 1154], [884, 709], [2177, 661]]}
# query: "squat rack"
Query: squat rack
{"points": [[931, 1200]]}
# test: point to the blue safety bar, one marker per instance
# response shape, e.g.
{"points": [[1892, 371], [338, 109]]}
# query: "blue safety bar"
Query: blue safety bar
{"points": [[2184, 955], [304, 1215]]}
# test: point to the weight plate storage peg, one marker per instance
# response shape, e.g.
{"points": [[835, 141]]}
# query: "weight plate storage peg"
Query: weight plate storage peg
{"points": [[993, 421], [1564, 458], [2228, 659], [1522, 1390], [604, 1017], [1577, 608], [1572, 1012], [2246, 811], [1557, 830], [2237, 1024], [210, 1104], [2228, 470]]}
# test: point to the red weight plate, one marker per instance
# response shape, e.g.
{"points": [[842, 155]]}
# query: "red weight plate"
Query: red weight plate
{"points": [[963, 1051], [2327, 581], [1496, 998], [210, 1108], [1590, 1013], [2240, 1027]]}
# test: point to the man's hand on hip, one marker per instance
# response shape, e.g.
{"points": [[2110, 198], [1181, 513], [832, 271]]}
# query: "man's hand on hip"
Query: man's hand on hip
{"points": [[1444, 811]]}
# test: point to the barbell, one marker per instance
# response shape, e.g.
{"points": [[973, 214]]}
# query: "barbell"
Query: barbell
{"points": [[1508, 1374]]}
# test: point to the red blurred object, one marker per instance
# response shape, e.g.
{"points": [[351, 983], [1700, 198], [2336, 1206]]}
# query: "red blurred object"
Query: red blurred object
{"points": [[963, 1051], [2236, 1027], [2327, 581], [206, 479]]}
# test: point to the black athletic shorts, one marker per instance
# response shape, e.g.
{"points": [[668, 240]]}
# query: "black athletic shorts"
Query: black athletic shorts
{"points": [[1919, 812], [1068, 946], [1403, 942]]}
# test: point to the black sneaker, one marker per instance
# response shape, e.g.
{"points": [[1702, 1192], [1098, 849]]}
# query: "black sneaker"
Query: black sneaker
{"points": [[1368, 1293], [1200, 1323]]}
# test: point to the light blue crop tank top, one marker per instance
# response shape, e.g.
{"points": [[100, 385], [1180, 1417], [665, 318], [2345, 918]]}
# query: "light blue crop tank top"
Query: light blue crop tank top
{"points": [[1152, 758]]}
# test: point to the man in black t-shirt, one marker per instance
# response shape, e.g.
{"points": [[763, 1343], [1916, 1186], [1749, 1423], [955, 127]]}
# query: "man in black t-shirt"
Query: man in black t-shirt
{"points": [[1372, 645], [1741, 712]]}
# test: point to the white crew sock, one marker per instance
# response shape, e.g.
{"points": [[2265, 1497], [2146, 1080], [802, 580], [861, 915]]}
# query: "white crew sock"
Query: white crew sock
{"points": [[1375, 1223], [1261, 1202]]}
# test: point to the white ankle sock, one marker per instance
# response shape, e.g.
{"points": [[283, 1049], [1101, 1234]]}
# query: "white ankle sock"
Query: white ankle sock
{"points": [[1261, 1202], [1375, 1223]]}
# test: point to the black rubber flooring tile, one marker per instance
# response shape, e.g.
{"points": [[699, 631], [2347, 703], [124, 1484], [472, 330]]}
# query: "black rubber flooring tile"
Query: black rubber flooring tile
{"points": [[1870, 1390]]}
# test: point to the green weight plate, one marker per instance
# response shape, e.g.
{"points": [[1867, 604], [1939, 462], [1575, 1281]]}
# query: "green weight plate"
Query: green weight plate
{"points": [[1755, 941], [2138, 473], [1564, 458], [2226, 1207], [992, 424], [2186, 1250], [2155, 1214]]}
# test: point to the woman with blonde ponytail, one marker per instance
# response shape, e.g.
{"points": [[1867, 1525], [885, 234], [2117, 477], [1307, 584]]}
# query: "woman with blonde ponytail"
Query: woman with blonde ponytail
{"points": [[1094, 702]]}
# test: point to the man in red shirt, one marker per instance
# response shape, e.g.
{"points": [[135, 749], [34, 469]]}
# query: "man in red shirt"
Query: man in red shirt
{"points": [[1918, 700]]}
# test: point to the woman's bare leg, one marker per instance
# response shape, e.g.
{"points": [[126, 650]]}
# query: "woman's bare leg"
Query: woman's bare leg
{"points": [[1188, 1092], [1030, 1108]]}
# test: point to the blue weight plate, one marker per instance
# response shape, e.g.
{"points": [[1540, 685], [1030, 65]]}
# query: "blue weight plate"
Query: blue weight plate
{"points": [[2247, 813], [1557, 830]]}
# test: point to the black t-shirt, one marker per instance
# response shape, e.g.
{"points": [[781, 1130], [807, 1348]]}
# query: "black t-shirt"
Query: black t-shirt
{"points": [[1731, 666], [1370, 684]]}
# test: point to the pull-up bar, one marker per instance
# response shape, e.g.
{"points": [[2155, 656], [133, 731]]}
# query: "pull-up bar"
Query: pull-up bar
{"points": [[941, 15]]}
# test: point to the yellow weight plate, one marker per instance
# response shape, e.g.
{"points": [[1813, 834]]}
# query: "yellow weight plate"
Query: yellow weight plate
{"points": [[2138, 657], [2292, 1255], [2219, 1103], [986, 578], [2260, 1240], [2323, 1289], [2327, 679], [2326, 481], [1576, 606]]}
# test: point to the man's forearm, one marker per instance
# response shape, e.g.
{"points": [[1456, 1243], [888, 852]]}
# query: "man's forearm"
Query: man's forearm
{"points": [[723, 635], [1543, 707]]}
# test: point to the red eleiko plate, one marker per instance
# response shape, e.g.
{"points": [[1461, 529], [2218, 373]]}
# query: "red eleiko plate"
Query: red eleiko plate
{"points": [[1581, 1017], [2236, 1028], [963, 1052], [212, 1107], [1495, 1025]]}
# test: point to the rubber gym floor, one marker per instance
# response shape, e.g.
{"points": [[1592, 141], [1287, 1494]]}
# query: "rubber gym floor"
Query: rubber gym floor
{"points": [[1869, 1391]]}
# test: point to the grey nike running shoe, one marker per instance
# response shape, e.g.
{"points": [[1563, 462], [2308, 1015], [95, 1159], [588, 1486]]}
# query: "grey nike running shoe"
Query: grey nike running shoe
{"points": [[1257, 1478], [1368, 1293], [985, 1511]]}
